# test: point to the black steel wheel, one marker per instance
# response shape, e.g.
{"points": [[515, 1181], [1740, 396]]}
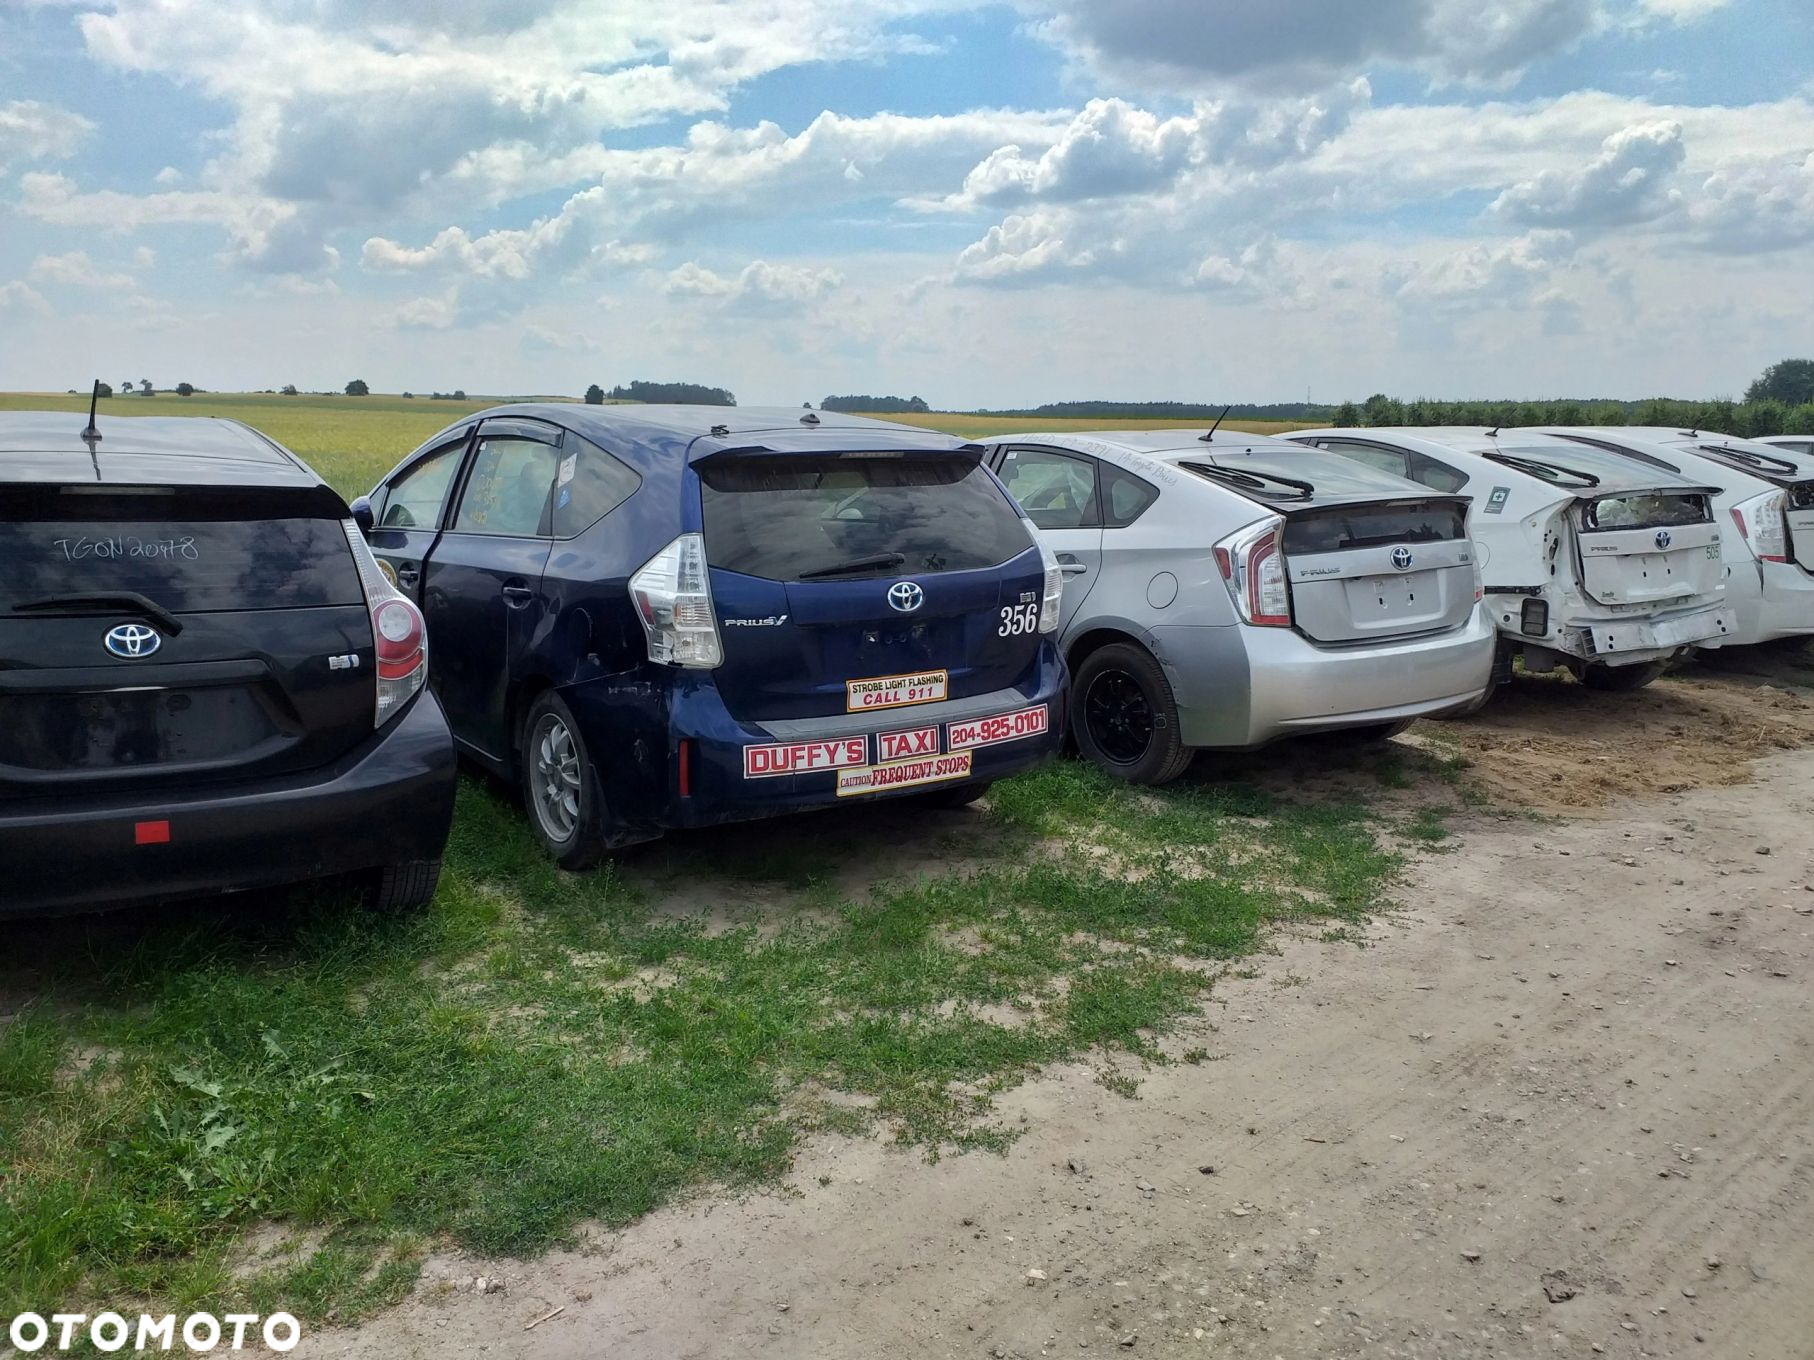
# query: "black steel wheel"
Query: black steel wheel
{"points": [[1124, 718]]}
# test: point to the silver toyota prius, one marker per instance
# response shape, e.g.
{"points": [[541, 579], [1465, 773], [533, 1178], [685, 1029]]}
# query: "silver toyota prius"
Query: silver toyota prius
{"points": [[1226, 590]]}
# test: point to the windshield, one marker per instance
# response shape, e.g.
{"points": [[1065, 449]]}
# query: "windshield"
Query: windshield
{"points": [[797, 518]]}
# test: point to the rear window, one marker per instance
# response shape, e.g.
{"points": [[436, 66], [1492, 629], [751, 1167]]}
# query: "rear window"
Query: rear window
{"points": [[1368, 526], [786, 518], [153, 545], [1648, 510]]}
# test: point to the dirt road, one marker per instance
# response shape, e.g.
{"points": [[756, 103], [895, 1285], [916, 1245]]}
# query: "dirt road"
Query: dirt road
{"points": [[1561, 1106]]}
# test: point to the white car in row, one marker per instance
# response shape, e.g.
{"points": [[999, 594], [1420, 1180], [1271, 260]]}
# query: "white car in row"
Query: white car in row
{"points": [[1766, 493], [1592, 561]]}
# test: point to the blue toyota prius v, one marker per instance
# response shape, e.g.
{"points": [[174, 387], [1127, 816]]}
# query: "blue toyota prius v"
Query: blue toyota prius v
{"points": [[657, 617]]}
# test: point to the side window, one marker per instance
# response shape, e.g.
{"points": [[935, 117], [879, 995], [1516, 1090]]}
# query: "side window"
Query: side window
{"points": [[1057, 490], [1127, 496], [1384, 460], [588, 485], [415, 499], [1437, 476], [510, 490]]}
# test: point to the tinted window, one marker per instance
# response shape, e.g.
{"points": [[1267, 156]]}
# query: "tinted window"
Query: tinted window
{"points": [[186, 565], [786, 518], [1128, 496], [589, 485], [510, 489], [1367, 526], [1057, 490], [415, 499], [1386, 460]]}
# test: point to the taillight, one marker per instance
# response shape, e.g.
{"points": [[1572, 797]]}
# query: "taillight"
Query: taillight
{"points": [[1763, 523], [673, 597], [398, 631], [1051, 605], [1253, 569]]}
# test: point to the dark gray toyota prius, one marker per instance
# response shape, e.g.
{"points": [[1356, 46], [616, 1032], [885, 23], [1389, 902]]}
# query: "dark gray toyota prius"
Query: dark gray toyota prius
{"points": [[206, 684]]}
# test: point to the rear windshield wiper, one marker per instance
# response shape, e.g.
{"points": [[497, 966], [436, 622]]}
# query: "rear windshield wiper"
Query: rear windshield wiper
{"points": [[1253, 479], [128, 599], [874, 562], [1548, 472], [1774, 466]]}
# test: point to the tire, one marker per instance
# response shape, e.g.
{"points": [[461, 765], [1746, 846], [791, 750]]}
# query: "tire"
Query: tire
{"points": [[1124, 718], [955, 795], [1621, 679], [405, 887], [560, 786]]}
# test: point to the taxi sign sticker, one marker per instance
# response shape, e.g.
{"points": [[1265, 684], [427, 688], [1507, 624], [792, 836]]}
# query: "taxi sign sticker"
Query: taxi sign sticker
{"points": [[915, 741], [804, 757], [903, 774], [973, 732], [895, 691]]}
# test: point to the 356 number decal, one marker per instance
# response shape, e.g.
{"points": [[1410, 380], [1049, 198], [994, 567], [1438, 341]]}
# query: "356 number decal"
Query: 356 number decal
{"points": [[1017, 619]]}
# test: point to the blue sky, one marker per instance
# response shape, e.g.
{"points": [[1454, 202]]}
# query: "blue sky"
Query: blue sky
{"points": [[982, 204]]}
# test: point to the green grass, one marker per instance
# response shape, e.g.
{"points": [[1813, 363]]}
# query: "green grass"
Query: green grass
{"points": [[539, 1049]]}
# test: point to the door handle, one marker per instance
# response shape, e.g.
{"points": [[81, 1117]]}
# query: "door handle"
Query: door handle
{"points": [[518, 593], [408, 575], [1070, 566]]}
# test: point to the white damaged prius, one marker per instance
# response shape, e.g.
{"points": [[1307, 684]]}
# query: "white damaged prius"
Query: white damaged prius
{"points": [[1592, 561]]}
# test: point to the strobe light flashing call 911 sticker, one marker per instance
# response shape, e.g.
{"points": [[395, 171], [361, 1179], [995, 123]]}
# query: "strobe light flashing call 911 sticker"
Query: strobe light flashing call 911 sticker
{"points": [[895, 691]]}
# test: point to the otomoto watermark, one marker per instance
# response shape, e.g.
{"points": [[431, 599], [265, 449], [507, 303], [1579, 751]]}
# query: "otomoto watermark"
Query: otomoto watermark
{"points": [[198, 1332]]}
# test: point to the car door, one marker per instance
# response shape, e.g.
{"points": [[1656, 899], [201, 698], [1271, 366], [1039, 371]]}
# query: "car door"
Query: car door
{"points": [[409, 510], [1058, 490], [481, 584]]}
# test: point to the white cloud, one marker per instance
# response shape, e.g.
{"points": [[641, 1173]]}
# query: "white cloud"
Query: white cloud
{"points": [[759, 285], [21, 296], [32, 131], [1501, 270], [1188, 44], [1680, 11], [1264, 271], [1629, 181], [1755, 204], [427, 313], [76, 269]]}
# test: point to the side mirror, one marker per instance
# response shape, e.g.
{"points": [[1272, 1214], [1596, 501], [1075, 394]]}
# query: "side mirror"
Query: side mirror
{"points": [[362, 514]]}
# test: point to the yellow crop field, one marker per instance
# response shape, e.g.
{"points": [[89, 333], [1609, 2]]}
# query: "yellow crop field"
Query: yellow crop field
{"points": [[353, 441]]}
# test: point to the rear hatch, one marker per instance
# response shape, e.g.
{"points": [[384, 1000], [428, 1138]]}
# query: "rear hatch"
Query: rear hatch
{"points": [[912, 570], [1370, 557], [1644, 537], [176, 635]]}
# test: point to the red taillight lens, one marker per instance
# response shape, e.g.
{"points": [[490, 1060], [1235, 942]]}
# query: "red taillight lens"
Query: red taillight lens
{"points": [[1267, 593], [397, 626]]}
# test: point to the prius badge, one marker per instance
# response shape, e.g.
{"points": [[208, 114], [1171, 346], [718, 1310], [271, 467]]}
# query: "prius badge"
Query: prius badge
{"points": [[132, 641], [906, 596]]}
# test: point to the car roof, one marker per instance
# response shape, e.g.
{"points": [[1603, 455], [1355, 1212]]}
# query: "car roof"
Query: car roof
{"points": [[1616, 472], [1334, 479], [706, 430], [46, 446]]}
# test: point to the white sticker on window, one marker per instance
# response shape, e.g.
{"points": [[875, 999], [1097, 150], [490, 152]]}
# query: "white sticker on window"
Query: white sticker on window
{"points": [[567, 466]]}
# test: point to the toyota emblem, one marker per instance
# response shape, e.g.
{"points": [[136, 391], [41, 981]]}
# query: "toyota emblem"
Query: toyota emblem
{"points": [[905, 596], [1663, 538], [1402, 559], [133, 641]]}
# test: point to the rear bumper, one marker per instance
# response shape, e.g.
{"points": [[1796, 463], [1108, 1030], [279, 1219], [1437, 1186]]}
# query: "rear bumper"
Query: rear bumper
{"points": [[1241, 687], [1651, 637], [388, 801], [720, 789]]}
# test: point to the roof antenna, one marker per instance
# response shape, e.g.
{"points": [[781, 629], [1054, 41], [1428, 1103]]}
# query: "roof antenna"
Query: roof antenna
{"points": [[1210, 437], [1493, 433], [809, 419], [92, 433]]}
